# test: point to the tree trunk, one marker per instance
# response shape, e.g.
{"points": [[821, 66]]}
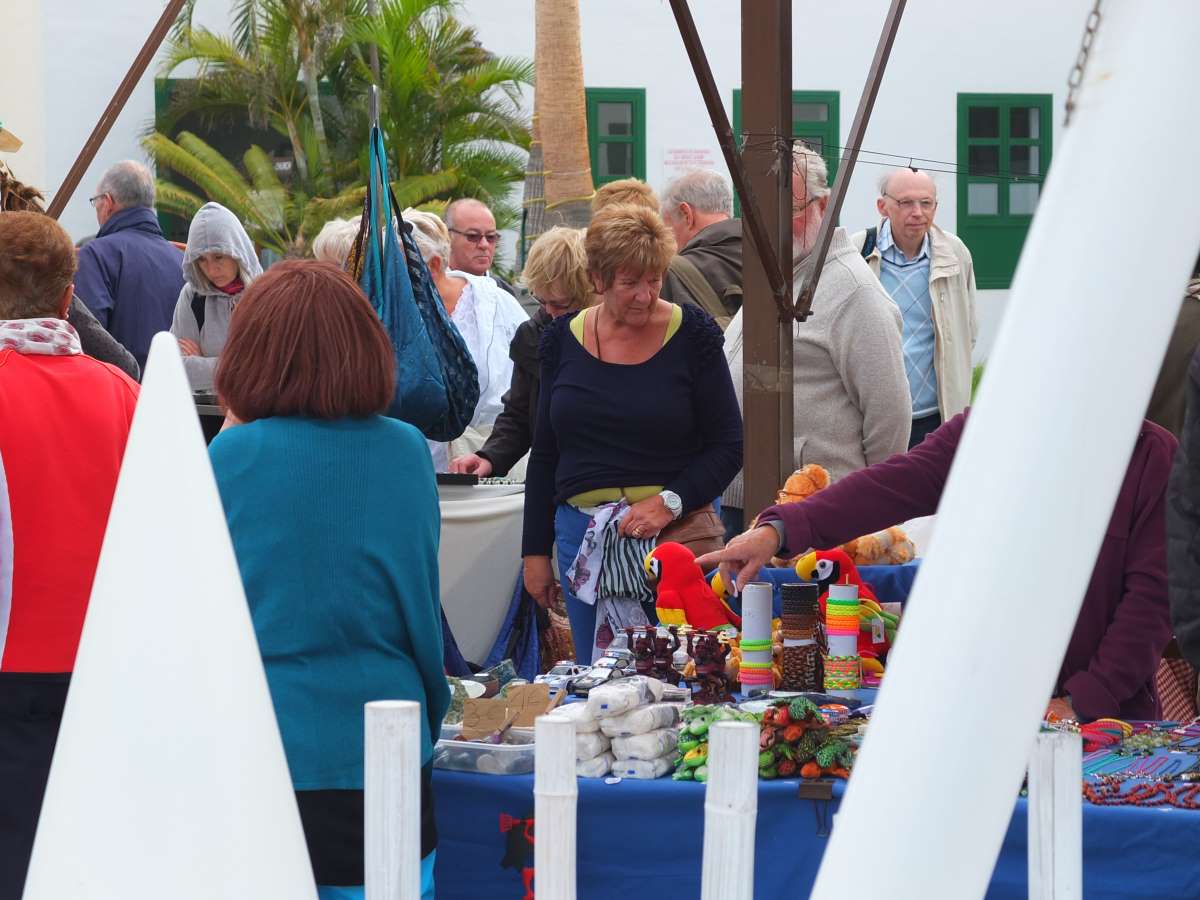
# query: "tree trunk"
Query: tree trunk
{"points": [[301, 159], [314, 109], [562, 114]]}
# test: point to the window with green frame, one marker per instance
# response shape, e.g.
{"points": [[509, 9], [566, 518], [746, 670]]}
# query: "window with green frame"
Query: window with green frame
{"points": [[815, 120], [1004, 144], [616, 119]]}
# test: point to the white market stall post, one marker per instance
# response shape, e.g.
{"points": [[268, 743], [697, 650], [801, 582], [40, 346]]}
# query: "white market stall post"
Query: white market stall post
{"points": [[1056, 817], [730, 812], [392, 800], [555, 798], [1093, 303]]}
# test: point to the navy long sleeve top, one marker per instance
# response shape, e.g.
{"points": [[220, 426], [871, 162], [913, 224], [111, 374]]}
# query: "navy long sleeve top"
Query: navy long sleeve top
{"points": [[671, 420]]}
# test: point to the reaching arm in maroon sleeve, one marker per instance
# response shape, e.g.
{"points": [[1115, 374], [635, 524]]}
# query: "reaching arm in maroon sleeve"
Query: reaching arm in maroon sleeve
{"points": [[901, 487], [1122, 646]]}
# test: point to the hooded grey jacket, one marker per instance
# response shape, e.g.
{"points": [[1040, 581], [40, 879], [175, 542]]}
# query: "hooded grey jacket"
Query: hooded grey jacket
{"points": [[213, 230]]}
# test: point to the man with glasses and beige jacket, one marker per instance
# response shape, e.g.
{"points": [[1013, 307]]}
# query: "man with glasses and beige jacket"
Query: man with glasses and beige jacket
{"points": [[929, 275]]}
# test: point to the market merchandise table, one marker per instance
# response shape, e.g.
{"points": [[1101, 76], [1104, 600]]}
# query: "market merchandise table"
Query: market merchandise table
{"points": [[645, 839]]}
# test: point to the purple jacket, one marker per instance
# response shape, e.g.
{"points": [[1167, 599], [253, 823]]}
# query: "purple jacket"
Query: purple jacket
{"points": [[1124, 623], [130, 277]]}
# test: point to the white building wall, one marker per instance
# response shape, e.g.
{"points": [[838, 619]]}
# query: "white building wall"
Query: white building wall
{"points": [[72, 54]]}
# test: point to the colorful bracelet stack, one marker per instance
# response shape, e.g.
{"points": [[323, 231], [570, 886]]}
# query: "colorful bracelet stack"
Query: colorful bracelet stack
{"points": [[842, 668], [757, 605], [801, 655]]}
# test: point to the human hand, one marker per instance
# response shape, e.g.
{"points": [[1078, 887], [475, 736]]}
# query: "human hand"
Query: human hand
{"points": [[1060, 708], [539, 580], [743, 556], [645, 519], [188, 348], [471, 464]]}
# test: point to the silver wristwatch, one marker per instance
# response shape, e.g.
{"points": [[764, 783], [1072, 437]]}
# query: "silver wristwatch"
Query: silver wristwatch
{"points": [[672, 502]]}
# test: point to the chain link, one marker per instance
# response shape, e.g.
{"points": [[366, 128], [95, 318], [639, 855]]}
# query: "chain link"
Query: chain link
{"points": [[1075, 79]]}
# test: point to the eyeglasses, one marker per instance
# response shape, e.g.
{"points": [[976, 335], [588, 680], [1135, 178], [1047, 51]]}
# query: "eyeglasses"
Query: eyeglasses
{"points": [[93, 200], [797, 210], [476, 237], [558, 306], [925, 204]]}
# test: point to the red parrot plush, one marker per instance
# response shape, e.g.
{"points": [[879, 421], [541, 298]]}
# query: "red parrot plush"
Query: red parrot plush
{"points": [[684, 597], [826, 567]]}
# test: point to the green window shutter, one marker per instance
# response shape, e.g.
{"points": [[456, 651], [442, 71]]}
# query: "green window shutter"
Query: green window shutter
{"points": [[1004, 146], [616, 119], [816, 118]]}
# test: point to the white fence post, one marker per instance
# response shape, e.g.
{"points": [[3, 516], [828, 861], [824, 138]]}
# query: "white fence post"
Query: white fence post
{"points": [[392, 800], [555, 796], [730, 811], [1055, 817]]}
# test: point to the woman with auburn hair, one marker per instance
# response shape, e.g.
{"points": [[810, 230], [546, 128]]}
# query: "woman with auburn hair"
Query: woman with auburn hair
{"points": [[638, 431], [556, 275], [333, 511]]}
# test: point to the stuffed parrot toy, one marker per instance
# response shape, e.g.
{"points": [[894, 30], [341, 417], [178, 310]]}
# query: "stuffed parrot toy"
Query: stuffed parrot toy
{"points": [[683, 596], [826, 567]]}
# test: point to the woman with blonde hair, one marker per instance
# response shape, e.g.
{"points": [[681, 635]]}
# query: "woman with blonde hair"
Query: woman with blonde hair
{"points": [[556, 275], [638, 431]]}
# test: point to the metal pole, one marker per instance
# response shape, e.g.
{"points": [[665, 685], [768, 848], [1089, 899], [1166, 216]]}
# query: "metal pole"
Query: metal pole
{"points": [[65, 191], [850, 156], [752, 213], [1055, 817], [392, 800], [372, 49]]}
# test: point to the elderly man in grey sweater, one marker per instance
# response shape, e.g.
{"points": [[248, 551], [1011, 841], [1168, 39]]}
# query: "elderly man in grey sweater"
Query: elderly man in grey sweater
{"points": [[852, 406]]}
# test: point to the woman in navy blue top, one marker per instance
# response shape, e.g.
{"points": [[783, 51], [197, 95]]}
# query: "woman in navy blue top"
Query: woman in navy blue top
{"points": [[636, 403]]}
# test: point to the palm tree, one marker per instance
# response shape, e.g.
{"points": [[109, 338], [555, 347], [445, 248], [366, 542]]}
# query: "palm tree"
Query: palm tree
{"points": [[562, 115], [448, 104], [277, 217]]}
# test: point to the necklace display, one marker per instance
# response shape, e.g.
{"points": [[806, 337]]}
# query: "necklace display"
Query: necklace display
{"points": [[1110, 791]]}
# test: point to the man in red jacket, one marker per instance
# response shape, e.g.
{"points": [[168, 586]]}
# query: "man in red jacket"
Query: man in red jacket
{"points": [[1124, 624], [64, 420]]}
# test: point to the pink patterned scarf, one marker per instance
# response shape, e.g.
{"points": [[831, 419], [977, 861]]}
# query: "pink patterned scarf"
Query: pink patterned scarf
{"points": [[49, 337]]}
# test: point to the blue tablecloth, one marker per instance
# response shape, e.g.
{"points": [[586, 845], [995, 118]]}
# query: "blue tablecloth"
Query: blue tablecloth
{"points": [[645, 838]]}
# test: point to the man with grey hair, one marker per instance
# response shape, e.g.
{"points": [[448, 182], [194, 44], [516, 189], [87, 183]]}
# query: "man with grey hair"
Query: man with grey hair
{"points": [[129, 276], [698, 207], [850, 392], [929, 274]]}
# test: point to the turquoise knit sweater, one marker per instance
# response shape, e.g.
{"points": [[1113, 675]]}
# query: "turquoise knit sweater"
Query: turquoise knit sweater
{"points": [[336, 527]]}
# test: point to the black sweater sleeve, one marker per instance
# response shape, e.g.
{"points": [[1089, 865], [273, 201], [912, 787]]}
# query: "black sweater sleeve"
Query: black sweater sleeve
{"points": [[538, 535], [716, 409], [512, 435]]}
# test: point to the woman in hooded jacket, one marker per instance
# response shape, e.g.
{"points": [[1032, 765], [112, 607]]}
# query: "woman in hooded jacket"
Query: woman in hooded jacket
{"points": [[218, 264]]}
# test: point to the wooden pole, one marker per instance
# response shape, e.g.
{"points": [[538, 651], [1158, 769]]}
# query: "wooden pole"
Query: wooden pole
{"points": [[891, 24], [767, 343], [555, 795], [1083, 326], [63, 195], [751, 212], [392, 800], [730, 811], [1055, 817]]}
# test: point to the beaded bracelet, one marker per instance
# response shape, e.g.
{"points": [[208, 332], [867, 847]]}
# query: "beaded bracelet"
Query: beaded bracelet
{"points": [[755, 645]]}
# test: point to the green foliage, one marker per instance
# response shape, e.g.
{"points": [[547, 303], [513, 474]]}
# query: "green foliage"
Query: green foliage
{"points": [[976, 377], [450, 111], [834, 753]]}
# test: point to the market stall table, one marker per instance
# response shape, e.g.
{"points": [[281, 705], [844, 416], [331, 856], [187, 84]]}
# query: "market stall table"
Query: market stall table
{"points": [[645, 839]]}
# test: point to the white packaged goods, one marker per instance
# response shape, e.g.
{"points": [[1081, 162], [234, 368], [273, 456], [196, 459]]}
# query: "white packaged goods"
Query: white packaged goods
{"points": [[622, 695], [651, 745], [578, 713], [644, 768], [640, 720], [589, 746], [595, 768]]}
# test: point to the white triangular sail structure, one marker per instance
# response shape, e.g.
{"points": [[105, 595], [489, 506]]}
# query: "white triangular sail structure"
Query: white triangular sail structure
{"points": [[1095, 297], [169, 778]]}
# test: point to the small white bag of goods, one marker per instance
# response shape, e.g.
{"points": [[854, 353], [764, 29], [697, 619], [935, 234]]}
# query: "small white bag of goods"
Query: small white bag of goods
{"points": [[650, 745], [640, 720], [622, 695]]}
